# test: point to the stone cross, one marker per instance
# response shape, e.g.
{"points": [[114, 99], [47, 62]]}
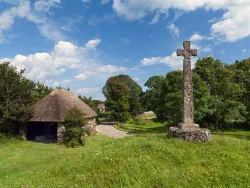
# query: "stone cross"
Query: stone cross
{"points": [[188, 104]]}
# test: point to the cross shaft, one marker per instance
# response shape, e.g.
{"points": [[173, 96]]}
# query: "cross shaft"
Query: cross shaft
{"points": [[188, 104]]}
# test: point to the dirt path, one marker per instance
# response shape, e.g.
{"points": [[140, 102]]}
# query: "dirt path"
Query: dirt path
{"points": [[109, 130]]}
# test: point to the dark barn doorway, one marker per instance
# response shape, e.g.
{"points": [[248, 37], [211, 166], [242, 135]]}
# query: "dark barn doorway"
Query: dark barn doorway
{"points": [[45, 132]]}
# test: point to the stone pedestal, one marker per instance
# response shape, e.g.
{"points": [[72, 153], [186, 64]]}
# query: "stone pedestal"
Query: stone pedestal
{"points": [[190, 134]]}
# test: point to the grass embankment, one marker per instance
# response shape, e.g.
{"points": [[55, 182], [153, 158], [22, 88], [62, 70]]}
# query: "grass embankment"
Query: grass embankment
{"points": [[151, 160], [143, 124]]}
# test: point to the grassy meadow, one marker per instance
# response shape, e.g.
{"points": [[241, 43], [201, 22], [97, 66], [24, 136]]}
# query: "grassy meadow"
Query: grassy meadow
{"points": [[145, 160]]}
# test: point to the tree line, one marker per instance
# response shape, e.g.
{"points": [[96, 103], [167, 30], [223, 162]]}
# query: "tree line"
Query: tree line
{"points": [[221, 95]]}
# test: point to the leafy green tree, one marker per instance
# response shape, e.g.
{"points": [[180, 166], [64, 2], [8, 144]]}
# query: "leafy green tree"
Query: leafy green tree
{"points": [[16, 98], [89, 101], [74, 123], [241, 76], [164, 97], [225, 103], [150, 97], [41, 91], [123, 97]]}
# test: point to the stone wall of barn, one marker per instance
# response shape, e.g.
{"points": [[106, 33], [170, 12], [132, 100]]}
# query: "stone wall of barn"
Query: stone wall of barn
{"points": [[89, 129]]}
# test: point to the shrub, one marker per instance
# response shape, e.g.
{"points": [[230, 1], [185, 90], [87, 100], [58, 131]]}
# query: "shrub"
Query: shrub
{"points": [[74, 123]]}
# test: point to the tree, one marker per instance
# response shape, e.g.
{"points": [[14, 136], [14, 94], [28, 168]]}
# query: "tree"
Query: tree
{"points": [[40, 91], [164, 97], [225, 102], [241, 76], [89, 101], [123, 97], [74, 123], [15, 96]]}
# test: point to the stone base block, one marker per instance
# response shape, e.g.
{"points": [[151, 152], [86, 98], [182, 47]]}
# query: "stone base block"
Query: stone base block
{"points": [[195, 134], [188, 126]]}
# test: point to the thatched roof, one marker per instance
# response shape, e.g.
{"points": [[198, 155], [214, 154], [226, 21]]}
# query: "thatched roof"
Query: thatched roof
{"points": [[53, 107]]}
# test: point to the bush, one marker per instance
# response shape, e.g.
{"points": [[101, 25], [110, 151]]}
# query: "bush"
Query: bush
{"points": [[6, 139], [74, 123]]}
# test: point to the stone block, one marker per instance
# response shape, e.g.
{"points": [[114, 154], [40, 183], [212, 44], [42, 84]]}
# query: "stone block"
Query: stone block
{"points": [[190, 134], [188, 126]]}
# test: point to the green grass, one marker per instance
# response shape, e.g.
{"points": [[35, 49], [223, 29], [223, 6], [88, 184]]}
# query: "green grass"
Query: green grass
{"points": [[142, 126], [236, 132], [150, 160]]}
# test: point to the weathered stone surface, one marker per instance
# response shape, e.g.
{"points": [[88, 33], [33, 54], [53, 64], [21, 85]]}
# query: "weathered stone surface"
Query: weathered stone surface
{"points": [[188, 126], [60, 133], [188, 130], [188, 105], [195, 134]]}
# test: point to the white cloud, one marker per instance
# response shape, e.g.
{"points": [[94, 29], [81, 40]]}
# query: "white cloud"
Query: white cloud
{"points": [[46, 66], [174, 30], [92, 44], [7, 18], [81, 62], [50, 31], [235, 23], [173, 61], [81, 76], [232, 26], [110, 69], [23, 9], [244, 50], [45, 5], [156, 18], [88, 91], [196, 37]]}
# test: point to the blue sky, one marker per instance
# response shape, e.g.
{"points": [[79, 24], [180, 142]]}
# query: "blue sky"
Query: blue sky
{"points": [[81, 43]]}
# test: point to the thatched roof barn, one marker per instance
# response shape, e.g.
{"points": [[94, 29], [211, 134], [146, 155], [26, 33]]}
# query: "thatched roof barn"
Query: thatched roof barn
{"points": [[45, 124], [53, 107]]}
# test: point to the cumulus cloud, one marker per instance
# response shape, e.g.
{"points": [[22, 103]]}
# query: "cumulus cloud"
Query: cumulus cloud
{"points": [[232, 26], [65, 57], [196, 37], [173, 61], [174, 30], [92, 44], [235, 23], [45, 66]]}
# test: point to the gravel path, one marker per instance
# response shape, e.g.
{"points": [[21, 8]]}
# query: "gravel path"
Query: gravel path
{"points": [[110, 131]]}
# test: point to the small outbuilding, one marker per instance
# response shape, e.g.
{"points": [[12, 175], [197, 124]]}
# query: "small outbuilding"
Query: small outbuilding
{"points": [[48, 115]]}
